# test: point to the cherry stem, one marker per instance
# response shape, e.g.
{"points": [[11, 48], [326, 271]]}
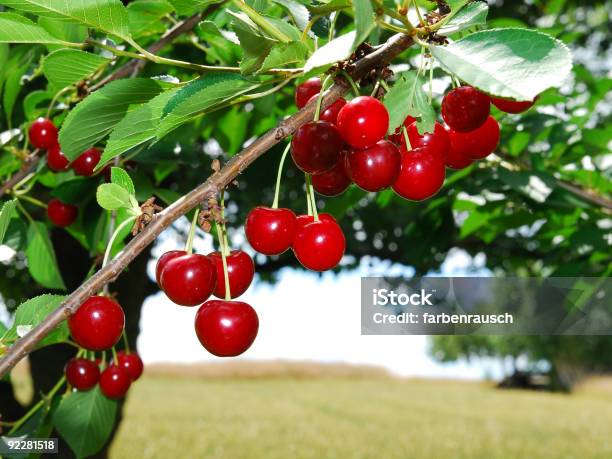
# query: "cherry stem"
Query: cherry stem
{"points": [[317, 113], [279, 175], [125, 341], [308, 203], [351, 82], [115, 358], [310, 192], [112, 239], [190, 237], [430, 80], [224, 247], [406, 139], [103, 360]]}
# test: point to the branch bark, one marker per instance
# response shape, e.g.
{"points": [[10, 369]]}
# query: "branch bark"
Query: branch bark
{"points": [[28, 166], [381, 56]]}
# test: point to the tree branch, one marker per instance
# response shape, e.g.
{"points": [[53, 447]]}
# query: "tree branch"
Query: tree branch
{"points": [[28, 166], [381, 56]]}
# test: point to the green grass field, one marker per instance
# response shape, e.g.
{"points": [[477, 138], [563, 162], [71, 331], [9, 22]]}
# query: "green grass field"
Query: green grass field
{"points": [[170, 416]]}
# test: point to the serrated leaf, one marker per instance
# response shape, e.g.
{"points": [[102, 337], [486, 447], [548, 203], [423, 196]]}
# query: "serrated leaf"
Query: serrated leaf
{"points": [[513, 63], [138, 127], [299, 12], [224, 49], [111, 196], [107, 15], [364, 20], [19, 63], [283, 54], [199, 96], [31, 313], [406, 97], [6, 214], [92, 119], [255, 45], [473, 14], [18, 29], [42, 261], [66, 67], [122, 178], [188, 7], [146, 17], [85, 419], [336, 50], [74, 191]]}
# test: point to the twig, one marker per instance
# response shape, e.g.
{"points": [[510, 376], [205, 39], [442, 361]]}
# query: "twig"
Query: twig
{"points": [[211, 187], [28, 166]]}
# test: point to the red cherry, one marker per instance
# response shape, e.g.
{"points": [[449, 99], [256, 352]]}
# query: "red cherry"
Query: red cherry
{"points": [[131, 364], [114, 382], [465, 108], [188, 280], [270, 231], [306, 90], [320, 245], [457, 157], [61, 214], [334, 181], [398, 136], [374, 168], [479, 143], [56, 160], [87, 162], [97, 325], [164, 259], [330, 114], [226, 328], [43, 133], [240, 271], [82, 374], [436, 142], [363, 121], [303, 220], [421, 176], [513, 106], [316, 146]]}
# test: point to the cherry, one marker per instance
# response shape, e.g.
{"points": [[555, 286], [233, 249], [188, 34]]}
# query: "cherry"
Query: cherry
{"points": [[306, 90], [421, 176], [131, 364], [97, 325], [43, 133], [456, 157], [398, 136], [115, 382], [374, 168], [226, 328], [87, 162], [334, 181], [82, 374], [61, 214], [319, 245], [330, 114], [316, 146], [188, 280], [240, 271], [56, 160], [465, 108], [270, 231], [303, 220], [164, 259], [513, 106], [479, 143], [436, 142], [363, 121]]}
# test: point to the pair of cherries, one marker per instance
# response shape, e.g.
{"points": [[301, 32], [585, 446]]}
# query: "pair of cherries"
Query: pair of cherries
{"points": [[43, 135], [225, 328], [114, 380], [318, 245]]}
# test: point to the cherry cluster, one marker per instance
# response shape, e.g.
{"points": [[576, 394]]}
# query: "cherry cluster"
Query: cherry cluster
{"points": [[97, 326], [225, 328], [43, 135]]}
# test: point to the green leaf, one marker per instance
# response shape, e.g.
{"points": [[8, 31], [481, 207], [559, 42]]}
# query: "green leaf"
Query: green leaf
{"points": [[66, 67], [197, 97], [40, 254], [18, 29], [474, 222], [537, 185], [299, 12], [189, 7], [334, 51], [6, 214], [111, 196], [146, 17], [74, 191], [85, 420], [221, 49], [31, 313], [106, 15], [364, 20], [21, 59], [255, 45], [473, 14], [122, 178], [92, 119], [138, 127], [283, 54], [513, 63], [406, 97]]}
